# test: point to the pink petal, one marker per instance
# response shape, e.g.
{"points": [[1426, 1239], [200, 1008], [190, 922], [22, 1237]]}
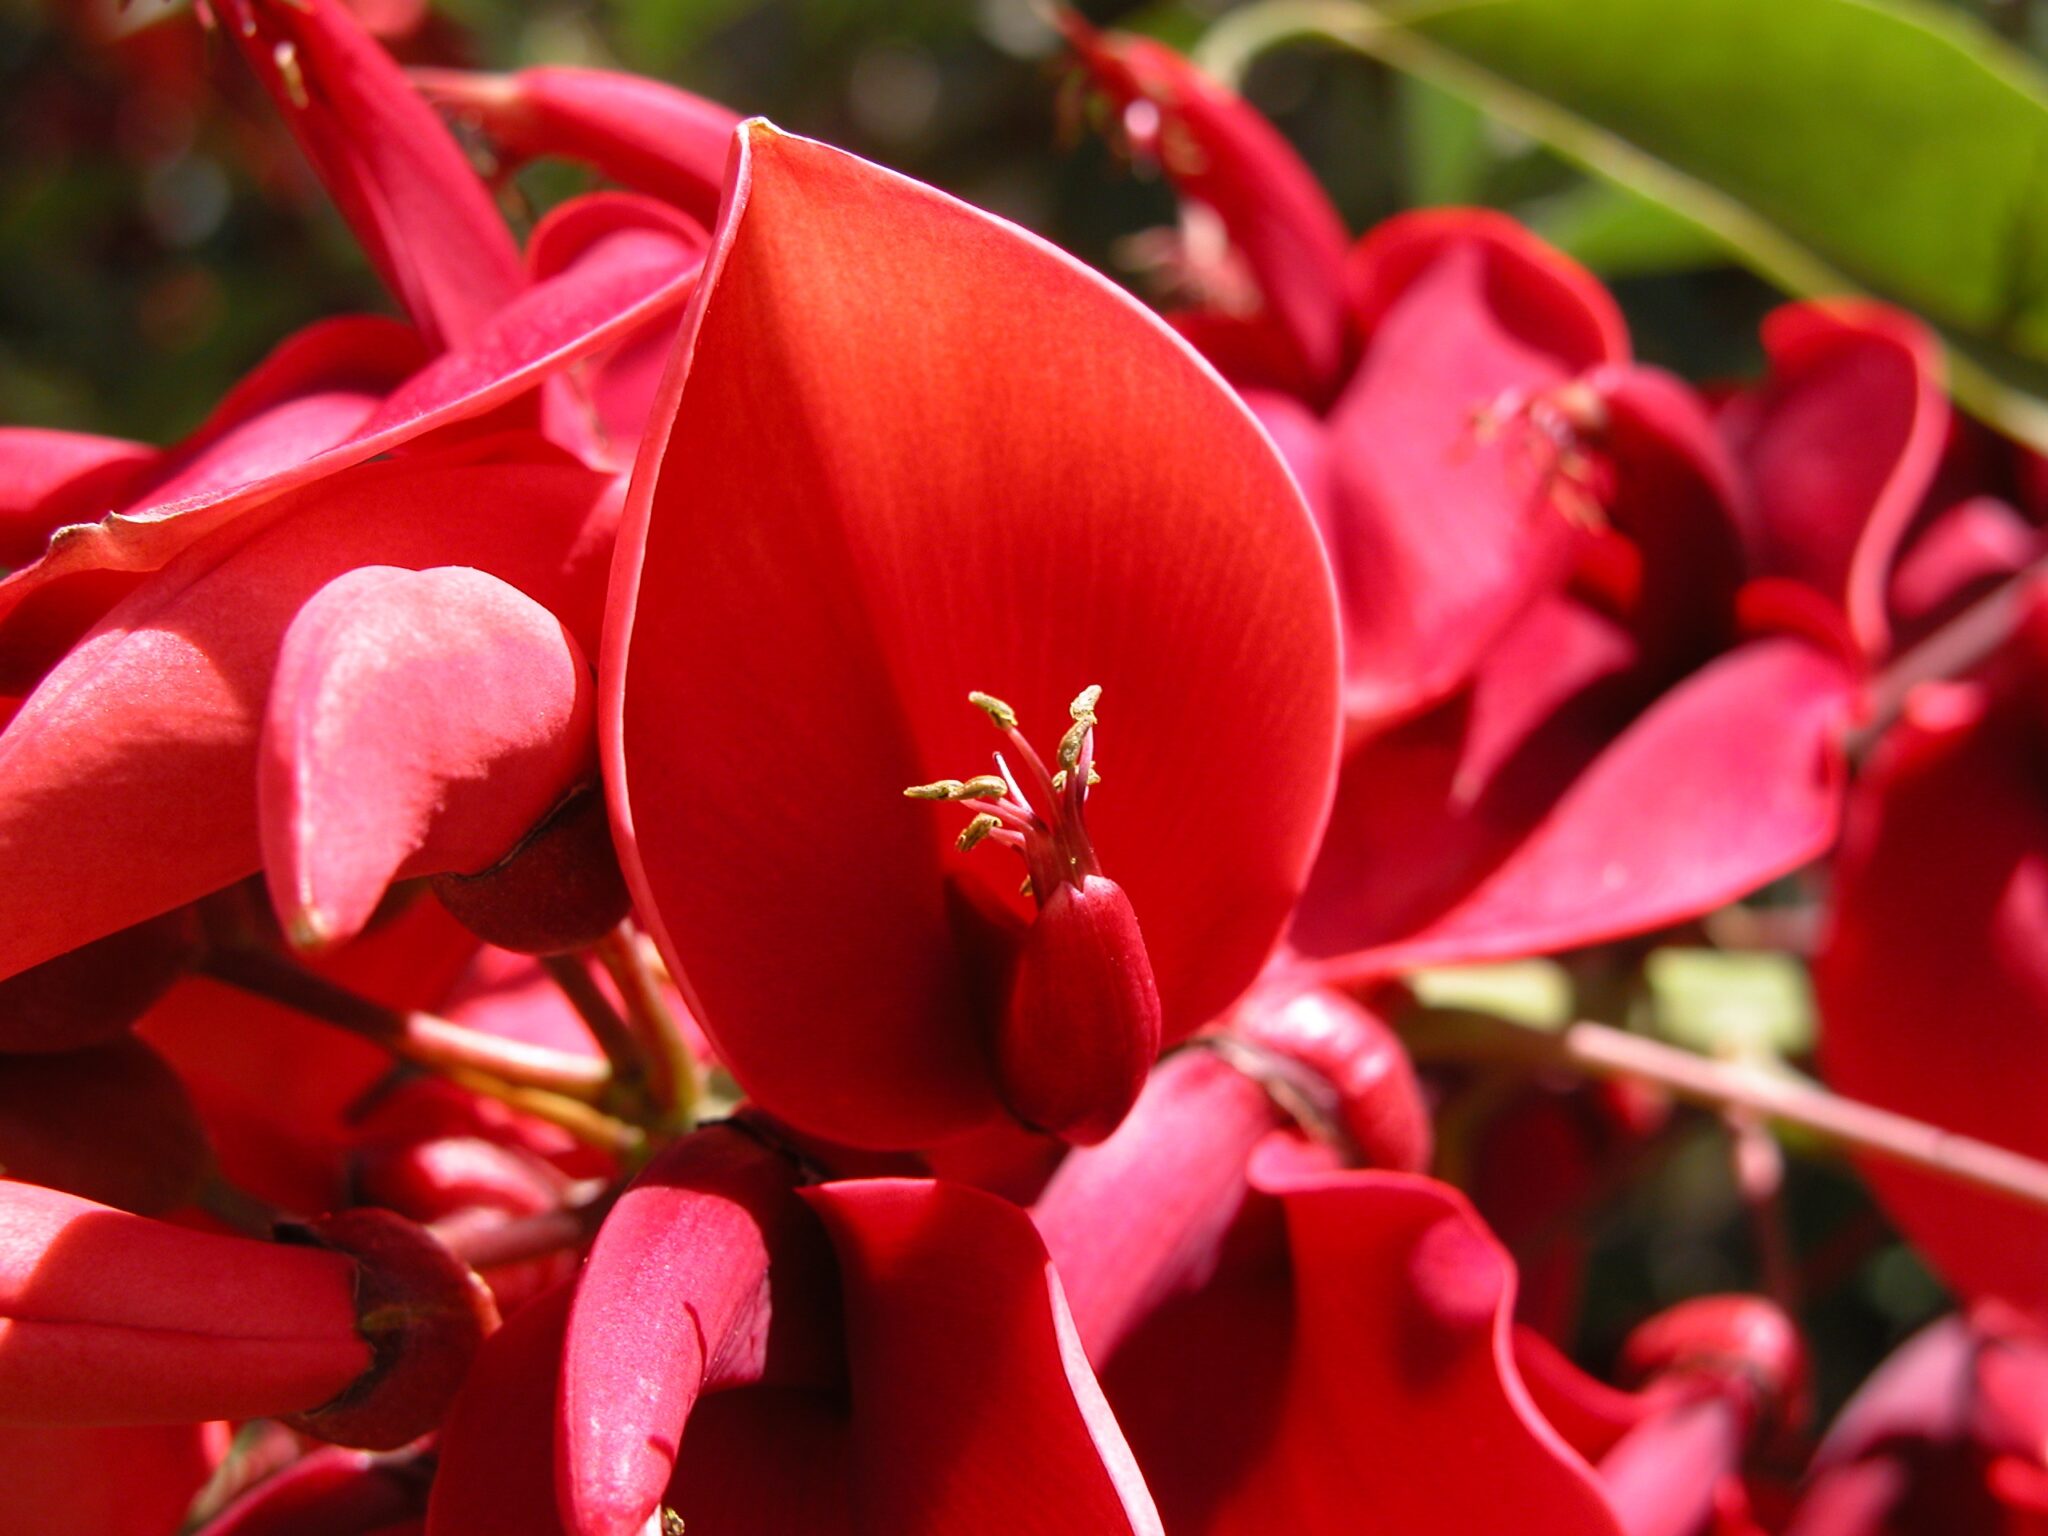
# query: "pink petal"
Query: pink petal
{"points": [[829, 548], [1442, 539], [420, 722], [130, 772], [675, 1294], [1841, 444]]}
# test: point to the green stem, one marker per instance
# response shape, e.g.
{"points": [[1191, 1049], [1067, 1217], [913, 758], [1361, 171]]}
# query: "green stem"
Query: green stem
{"points": [[671, 1066]]}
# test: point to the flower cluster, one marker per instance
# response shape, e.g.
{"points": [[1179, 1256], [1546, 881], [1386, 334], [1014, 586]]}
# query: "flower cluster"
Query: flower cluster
{"points": [[510, 1024]]}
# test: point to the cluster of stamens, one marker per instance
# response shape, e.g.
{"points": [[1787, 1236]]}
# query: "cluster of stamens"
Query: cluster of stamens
{"points": [[1032, 809], [1553, 428]]}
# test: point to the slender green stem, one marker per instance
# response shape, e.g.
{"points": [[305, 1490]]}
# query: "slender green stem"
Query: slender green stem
{"points": [[572, 974], [672, 1079], [1597, 1050]]}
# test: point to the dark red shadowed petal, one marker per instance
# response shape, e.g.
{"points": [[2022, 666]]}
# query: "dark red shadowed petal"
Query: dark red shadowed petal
{"points": [[829, 548], [1220, 152], [952, 1307], [1405, 1391], [1840, 445], [110, 1123], [107, 1318], [1958, 557], [639, 132], [1443, 528], [1933, 982], [130, 1480], [328, 1492], [131, 771], [1729, 781], [605, 269], [497, 1465], [674, 1298], [425, 219], [420, 723], [1362, 1355], [92, 994]]}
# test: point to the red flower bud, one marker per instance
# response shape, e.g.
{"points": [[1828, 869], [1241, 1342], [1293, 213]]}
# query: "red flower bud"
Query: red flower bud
{"points": [[1082, 1024]]}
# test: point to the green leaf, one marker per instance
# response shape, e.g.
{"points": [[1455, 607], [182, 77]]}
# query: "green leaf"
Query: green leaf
{"points": [[1619, 233], [1880, 146], [1735, 1003], [1533, 992]]}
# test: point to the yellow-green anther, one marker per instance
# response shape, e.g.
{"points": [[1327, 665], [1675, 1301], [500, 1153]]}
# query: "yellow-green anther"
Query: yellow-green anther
{"points": [[1083, 711], [1004, 716], [983, 786], [1083, 707], [938, 789], [976, 830]]}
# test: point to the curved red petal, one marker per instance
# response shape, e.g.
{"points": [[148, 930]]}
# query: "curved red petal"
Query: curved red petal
{"points": [[1730, 780], [1933, 981], [107, 1318], [1403, 1394], [420, 722], [641, 133], [952, 1305], [1442, 530], [426, 220], [675, 1295], [1841, 444], [1220, 152], [829, 548], [130, 772], [607, 268], [42, 472]]}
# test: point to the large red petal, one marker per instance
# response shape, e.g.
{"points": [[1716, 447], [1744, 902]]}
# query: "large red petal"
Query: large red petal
{"points": [[129, 774], [1403, 1395], [1730, 780], [1442, 532], [973, 1405], [1933, 983], [419, 722], [904, 463], [37, 465]]}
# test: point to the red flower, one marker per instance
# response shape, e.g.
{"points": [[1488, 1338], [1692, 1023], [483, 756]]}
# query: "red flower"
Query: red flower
{"points": [[879, 1354], [1538, 548], [908, 452]]}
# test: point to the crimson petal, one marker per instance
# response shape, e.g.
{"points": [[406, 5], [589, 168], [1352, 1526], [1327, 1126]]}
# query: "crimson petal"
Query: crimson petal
{"points": [[1730, 780], [145, 736], [902, 466], [973, 1404], [641, 133], [1841, 444], [1440, 539]]}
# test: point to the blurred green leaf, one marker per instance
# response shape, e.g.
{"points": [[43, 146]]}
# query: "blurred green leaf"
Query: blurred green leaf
{"points": [[1444, 145], [1532, 992], [1731, 1003], [1619, 233], [1832, 145]]}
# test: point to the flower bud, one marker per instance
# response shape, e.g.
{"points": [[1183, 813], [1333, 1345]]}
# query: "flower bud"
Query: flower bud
{"points": [[560, 889], [1081, 1028]]}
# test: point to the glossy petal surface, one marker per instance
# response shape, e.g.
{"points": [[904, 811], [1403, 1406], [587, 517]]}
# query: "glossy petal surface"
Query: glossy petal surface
{"points": [[829, 547], [419, 722], [145, 737]]}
